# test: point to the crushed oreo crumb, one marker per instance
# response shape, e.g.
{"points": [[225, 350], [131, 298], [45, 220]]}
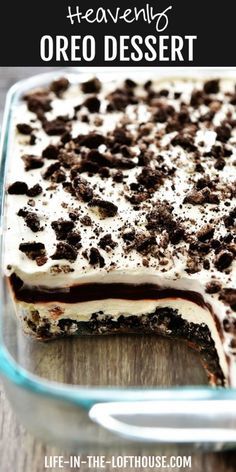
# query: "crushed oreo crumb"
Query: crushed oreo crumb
{"points": [[33, 249], [18, 188], [24, 128], [32, 162], [34, 191], [65, 251], [91, 86], [62, 228], [105, 208], [95, 258]]}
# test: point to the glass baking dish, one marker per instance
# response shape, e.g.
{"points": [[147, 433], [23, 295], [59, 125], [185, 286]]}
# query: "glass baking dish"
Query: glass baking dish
{"points": [[43, 380]]}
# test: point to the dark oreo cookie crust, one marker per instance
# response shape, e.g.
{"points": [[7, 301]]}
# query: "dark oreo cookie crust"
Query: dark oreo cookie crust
{"points": [[163, 322]]}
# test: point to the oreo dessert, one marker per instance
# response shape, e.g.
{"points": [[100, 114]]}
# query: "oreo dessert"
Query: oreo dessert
{"points": [[120, 212]]}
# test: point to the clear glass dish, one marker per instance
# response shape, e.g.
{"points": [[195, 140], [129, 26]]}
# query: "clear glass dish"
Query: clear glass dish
{"points": [[55, 387]]}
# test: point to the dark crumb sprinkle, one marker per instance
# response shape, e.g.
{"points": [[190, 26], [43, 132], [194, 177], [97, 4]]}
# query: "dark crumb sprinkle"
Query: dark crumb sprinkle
{"points": [[31, 219], [18, 188], [39, 102], [223, 260], [199, 197], [118, 176], [220, 164], [144, 244], [91, 86], [86, 220], [32, 162], [95, 258], [33, 249], [41, 260], [213, 287], [65, 251], [32, 139], [206, 264], [93, 104], [56, 127], [82, 189], [185, 141], [130, 83], [193, 265], [74, 238], [105, 208], [150, 178], [206, 232], [91, 140], [51, 169], [223, 133], [212, 86], [107, 243], [62, 228], [51, 152], [24, 128], [128, 234], [59, 86], [34, 191], [229, 220], [228, 295], [73, 215], [66, 137]]}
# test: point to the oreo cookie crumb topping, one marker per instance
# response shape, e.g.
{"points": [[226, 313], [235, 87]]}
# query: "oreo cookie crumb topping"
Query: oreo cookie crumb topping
{"points": [[213, 287], [211, 86], [86, 220], [18, 188], [58, 126], [51, 152], [24, 128], [62, 228], [223, 260], [223, 133], [59, 86], [65, 251], [107, 243], [93, 104], [32, 162], [228, 295], [91, 140], [91, 86], [83, 189], [74, 238], [105, 208], [33, 250], [199, 197], [31, 219], [50, 170], [95, 258], [206, 233], [34, 191], [39, 102]]}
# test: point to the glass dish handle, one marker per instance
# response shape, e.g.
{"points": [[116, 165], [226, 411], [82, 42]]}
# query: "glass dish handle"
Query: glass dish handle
{"points": [[169, 421]]}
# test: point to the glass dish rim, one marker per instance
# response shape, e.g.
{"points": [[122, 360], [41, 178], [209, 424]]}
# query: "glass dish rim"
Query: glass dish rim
{"points": [[82, 395]]}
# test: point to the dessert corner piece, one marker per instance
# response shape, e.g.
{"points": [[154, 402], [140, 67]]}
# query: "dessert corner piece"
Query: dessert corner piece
{"points": [[121, 212]]}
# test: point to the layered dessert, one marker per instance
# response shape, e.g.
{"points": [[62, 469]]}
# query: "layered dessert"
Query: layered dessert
{"points": [[120, 212]]}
